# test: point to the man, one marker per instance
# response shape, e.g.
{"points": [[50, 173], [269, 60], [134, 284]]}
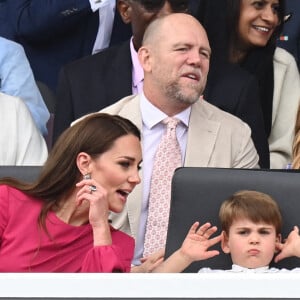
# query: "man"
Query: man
{"points": [[16, 79], [99, 80], [21, 143], [54, 33], [175, 58]]}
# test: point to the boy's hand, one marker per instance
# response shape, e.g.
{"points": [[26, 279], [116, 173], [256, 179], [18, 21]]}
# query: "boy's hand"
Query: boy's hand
{"points": [[198, 241]]}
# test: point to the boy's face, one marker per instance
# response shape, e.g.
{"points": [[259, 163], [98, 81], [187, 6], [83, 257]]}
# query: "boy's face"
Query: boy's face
{"points": [[251, 245]]}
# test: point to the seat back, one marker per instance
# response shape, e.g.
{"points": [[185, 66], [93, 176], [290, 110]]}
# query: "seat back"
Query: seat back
{"points": [[24, 173], [197, 194]]}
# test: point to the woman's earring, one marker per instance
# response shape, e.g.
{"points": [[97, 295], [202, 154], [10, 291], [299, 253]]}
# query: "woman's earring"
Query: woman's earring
{"points": [[87, 176]]}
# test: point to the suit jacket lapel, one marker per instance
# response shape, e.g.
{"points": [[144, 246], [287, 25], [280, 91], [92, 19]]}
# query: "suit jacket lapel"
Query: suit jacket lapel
{"points": [[202, 135]]}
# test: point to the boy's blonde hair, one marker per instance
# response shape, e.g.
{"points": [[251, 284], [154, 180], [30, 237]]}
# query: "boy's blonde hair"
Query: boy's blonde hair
{"points": [[252, 205]]}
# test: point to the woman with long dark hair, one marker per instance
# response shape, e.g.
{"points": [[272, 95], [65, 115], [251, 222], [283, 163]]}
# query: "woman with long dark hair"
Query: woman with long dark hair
{"points": [[244, 33], [60, 223]]}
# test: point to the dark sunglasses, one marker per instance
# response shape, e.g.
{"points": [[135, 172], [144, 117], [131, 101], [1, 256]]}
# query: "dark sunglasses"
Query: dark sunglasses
{"points": [[156, 5]]}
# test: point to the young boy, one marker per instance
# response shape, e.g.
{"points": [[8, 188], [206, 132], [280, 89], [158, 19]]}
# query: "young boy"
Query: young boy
{"points": [[251, 224]]}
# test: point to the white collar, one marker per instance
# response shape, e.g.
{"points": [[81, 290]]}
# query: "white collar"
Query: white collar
{"points": [[239, 269]]}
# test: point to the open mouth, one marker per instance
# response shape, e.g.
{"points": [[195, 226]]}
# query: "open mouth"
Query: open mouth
{"points": [[123, 193], [192, 75]]}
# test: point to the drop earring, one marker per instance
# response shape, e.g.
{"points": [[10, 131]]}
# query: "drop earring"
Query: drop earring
{"points": [[87, 176]]}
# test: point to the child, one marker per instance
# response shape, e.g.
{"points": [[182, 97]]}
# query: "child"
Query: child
{"points": [[251, 224]]}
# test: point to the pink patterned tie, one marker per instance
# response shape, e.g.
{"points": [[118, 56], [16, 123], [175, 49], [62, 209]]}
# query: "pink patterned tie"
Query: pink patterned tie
{"points": [[167, 159]]}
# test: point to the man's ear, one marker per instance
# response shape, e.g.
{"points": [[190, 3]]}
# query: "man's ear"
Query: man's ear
{"points": [[124, 9], [144, 58], [224, 243], [83, 162]]}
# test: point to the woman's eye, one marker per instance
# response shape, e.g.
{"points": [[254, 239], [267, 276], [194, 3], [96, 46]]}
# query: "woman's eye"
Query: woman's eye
{"points": [[275, 9], [258, 4], [124, 164]]}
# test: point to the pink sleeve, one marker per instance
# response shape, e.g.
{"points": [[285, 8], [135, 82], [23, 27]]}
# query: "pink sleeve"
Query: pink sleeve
{"points": [[105, 259], [112, 258]]}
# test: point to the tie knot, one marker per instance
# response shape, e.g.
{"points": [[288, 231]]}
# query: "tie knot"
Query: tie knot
{"points": [[171, 122]]}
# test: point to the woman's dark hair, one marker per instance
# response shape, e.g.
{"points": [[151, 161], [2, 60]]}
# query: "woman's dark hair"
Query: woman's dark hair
{"points": [[94, 134], [220, 19], [233, 16]]}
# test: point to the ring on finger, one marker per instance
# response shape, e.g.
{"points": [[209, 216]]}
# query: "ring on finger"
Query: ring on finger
{"points": [[93, 188]]}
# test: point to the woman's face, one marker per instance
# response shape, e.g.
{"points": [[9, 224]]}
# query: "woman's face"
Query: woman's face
{"points": [[117, 170], [258, 21]]}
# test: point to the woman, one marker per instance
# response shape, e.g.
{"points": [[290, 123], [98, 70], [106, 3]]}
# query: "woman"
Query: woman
{"points": [[60, 222], [245, 34]]}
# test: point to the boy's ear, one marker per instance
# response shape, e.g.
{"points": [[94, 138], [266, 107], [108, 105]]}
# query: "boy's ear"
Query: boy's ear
{"points": [[224, 242], [278, 240]]}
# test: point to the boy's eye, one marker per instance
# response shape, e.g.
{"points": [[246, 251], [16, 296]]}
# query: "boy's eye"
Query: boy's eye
{"points": [[264, 232], [242, 232]]}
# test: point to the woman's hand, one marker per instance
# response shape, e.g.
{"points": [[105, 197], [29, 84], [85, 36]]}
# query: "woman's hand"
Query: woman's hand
{"points": [[291, 246], [97, 198], [150, 262]]}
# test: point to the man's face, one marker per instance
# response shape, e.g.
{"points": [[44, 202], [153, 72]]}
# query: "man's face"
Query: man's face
{"points": [[142, 12], [180, 61]]}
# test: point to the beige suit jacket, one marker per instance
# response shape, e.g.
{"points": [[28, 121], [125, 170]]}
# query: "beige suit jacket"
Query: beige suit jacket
{"points": [[215, 139], [286, 100]]}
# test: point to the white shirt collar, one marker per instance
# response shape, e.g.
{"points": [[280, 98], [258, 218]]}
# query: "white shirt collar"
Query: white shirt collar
{"points": [[152, 116], [239, 269]]}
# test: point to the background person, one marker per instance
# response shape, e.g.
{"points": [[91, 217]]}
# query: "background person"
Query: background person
{"points": [[16, 79], [21, 143], [245, 34], [104, 78]]}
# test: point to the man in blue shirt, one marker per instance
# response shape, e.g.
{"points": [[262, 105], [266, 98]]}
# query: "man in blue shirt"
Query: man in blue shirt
{"points": [[16, 79]]}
